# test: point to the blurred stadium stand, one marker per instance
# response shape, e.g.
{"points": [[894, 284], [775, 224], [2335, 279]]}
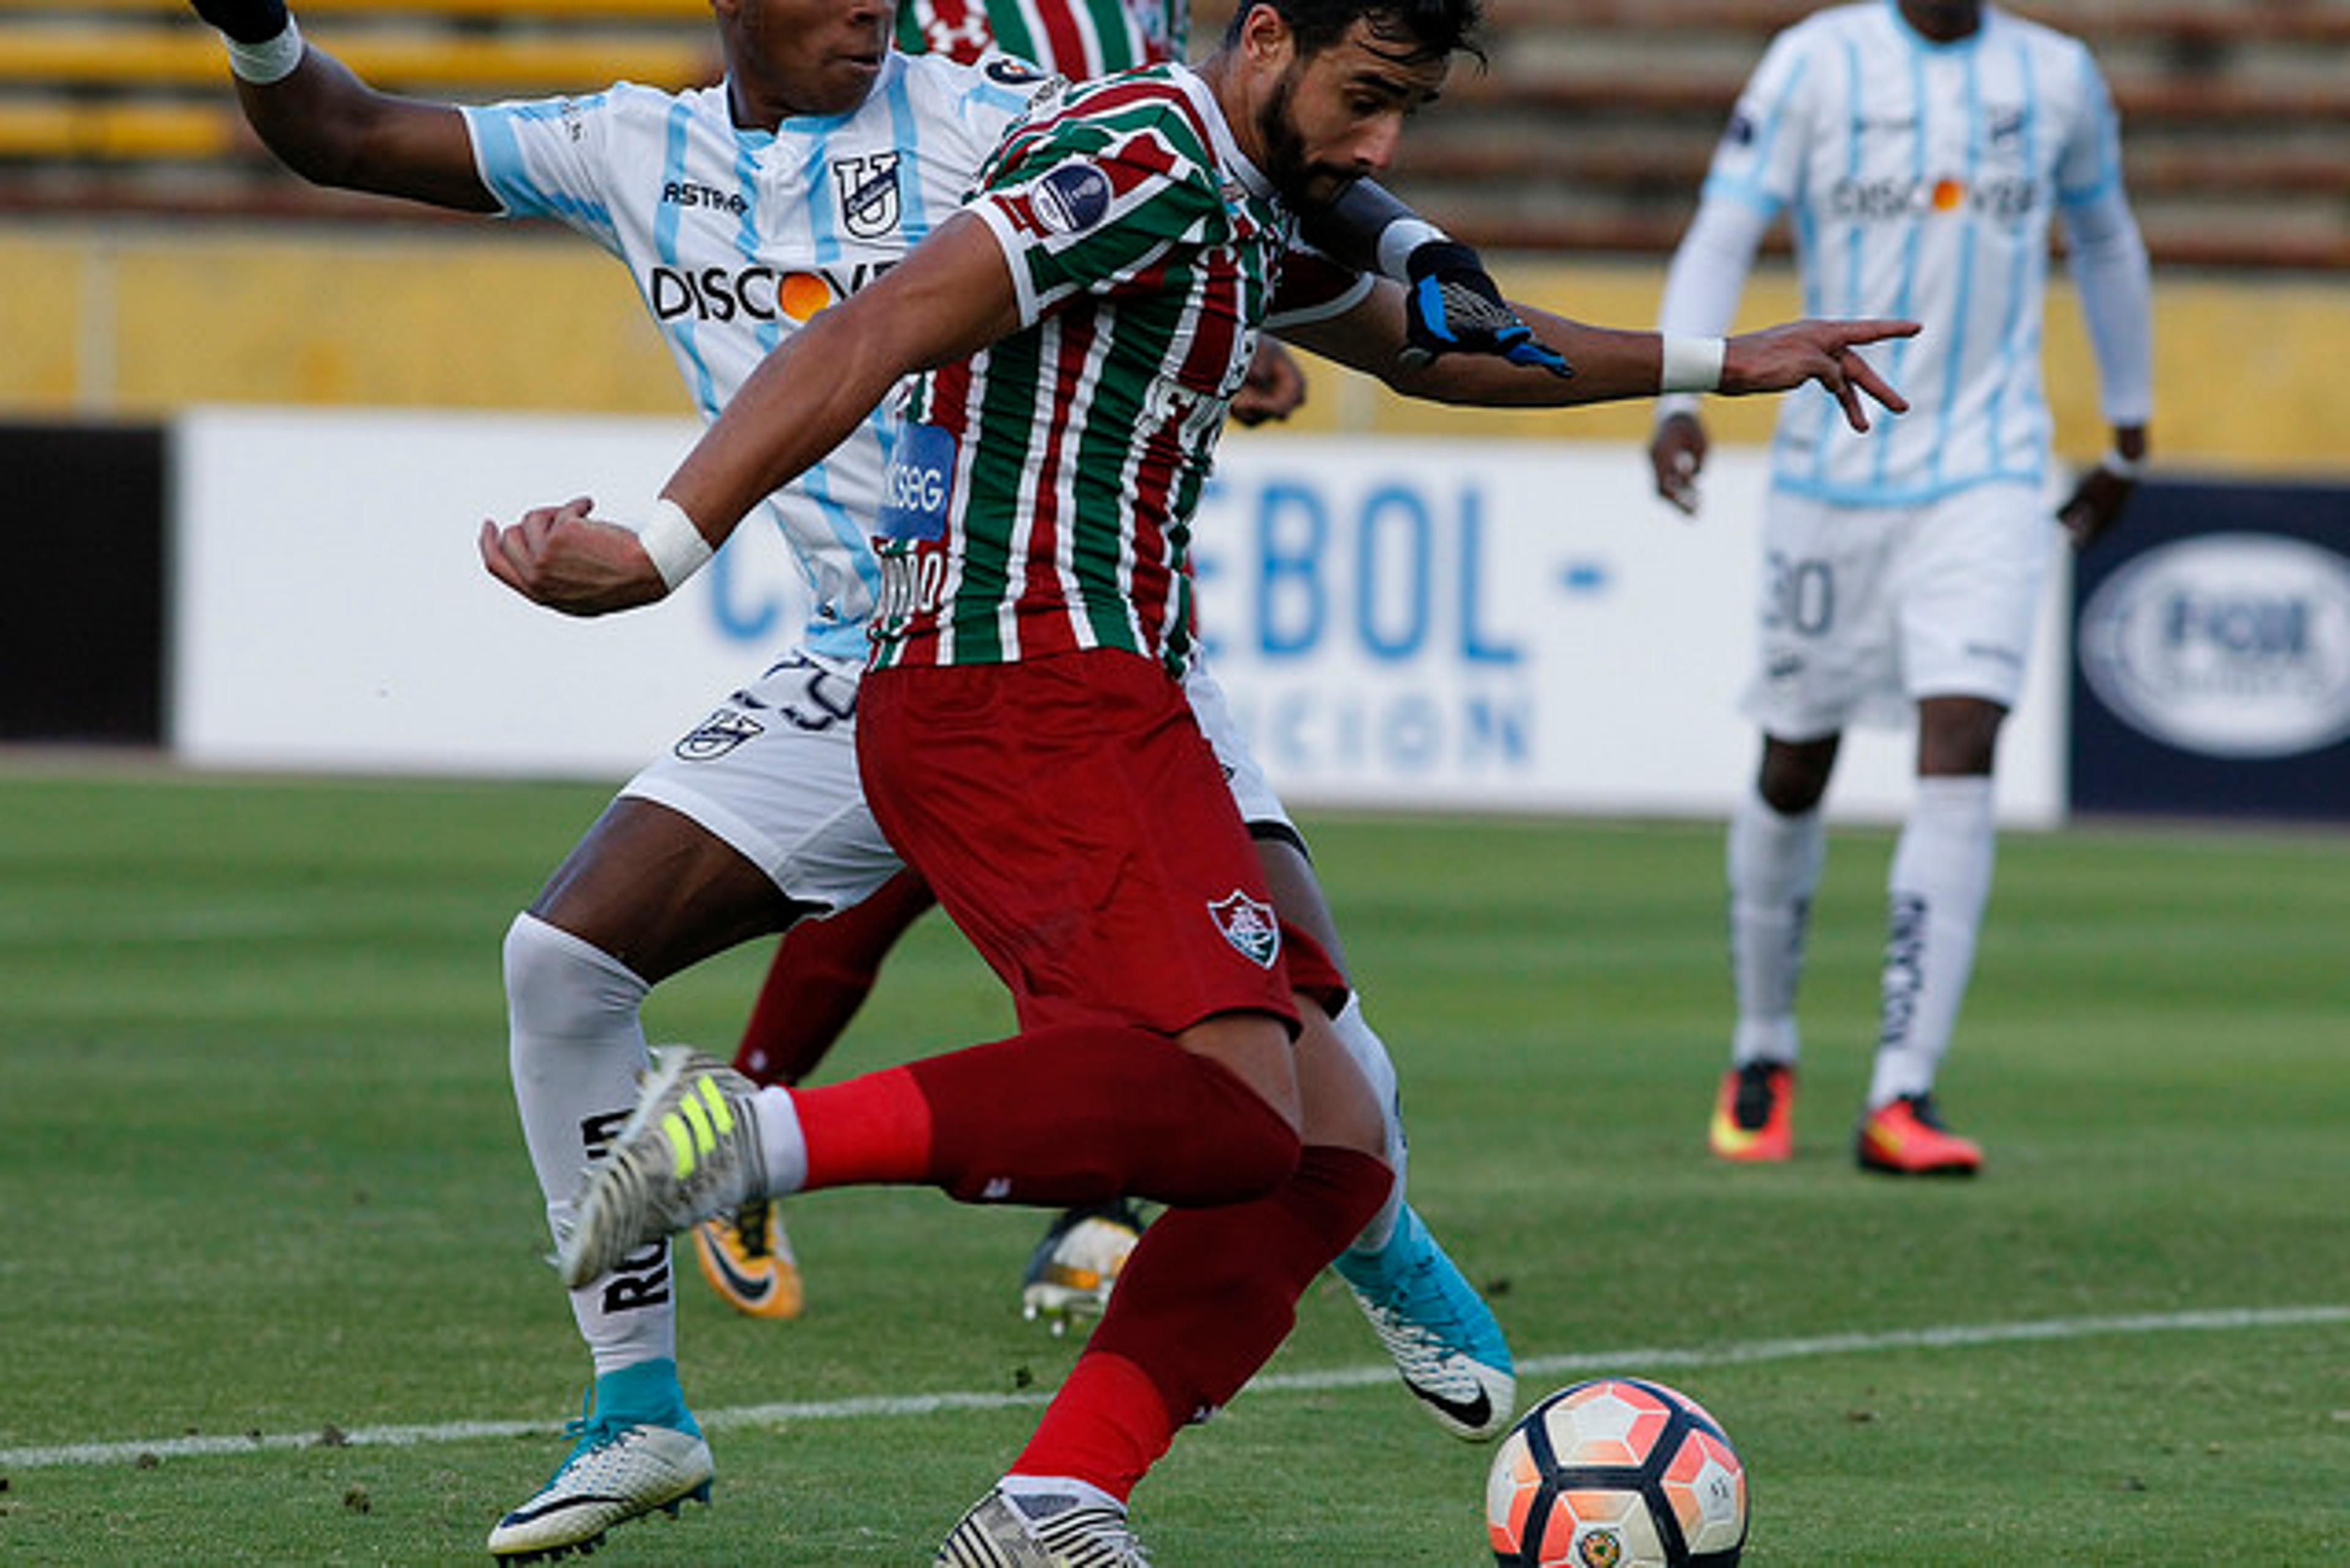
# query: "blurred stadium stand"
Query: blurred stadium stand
{"points": [[1588, 134], [126, 105]]}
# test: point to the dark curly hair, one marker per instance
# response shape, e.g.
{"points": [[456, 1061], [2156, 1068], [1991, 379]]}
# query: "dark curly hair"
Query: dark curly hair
{"points": [[1426, 28]]}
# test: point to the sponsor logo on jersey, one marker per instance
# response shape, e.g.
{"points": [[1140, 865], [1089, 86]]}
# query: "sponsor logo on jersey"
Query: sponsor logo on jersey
{"points": [[915, 489], [719, 734], [1010, 70], [1249, 925], [686, 194], [1905, 196], [2233, 645], [755, 293], [1071, 198], [867, 186]]}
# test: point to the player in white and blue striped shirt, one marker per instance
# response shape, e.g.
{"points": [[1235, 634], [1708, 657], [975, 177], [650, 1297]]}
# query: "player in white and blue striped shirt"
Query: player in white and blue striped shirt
{"points": [[1919, 149]]}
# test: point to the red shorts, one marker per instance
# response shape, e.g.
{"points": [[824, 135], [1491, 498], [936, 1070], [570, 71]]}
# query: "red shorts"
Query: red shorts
{"points": [[1076, 826]]}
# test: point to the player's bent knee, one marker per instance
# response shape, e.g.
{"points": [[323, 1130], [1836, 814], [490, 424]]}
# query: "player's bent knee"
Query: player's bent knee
{"points": [[1256, 1049], [559, 986]]}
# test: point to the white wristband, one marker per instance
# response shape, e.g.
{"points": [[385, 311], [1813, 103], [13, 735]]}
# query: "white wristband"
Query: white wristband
{"points": [[262, 64], [1399, 240], [2131, 469], [678, 548], [1691, 364]]}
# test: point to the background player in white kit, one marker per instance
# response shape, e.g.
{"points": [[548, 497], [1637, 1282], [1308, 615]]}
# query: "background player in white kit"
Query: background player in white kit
{"points": [[1921, 148]]}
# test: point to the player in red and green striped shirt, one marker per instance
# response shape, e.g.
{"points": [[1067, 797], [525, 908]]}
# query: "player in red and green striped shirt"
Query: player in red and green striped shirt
{"points": [[1447, 1345], [1024, 739]]}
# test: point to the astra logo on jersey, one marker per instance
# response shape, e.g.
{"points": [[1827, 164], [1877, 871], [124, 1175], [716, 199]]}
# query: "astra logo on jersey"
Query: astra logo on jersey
{"points": [[1875, 201], [686, 194], [755, 293]]}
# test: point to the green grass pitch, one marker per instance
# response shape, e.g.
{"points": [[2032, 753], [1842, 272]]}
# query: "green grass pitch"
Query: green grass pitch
{"points": [[265, 1205]]}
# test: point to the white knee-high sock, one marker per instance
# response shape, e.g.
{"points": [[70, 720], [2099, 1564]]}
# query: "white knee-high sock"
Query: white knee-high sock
{"points": [[575, 1046], [1774, 864], [1371, 1054], [1940, 882]]}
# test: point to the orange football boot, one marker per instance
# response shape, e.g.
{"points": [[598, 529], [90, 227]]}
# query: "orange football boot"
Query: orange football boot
{"points": [[1907, 1137], [748, 1261], [1755, 1115]]}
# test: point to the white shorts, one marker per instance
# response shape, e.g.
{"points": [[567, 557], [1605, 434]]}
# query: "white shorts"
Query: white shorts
{"points": [[772, 773], [1259, 806], [1866, 609]]}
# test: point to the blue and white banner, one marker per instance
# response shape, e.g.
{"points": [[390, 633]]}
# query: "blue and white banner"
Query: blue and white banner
{"points": [[1502, 625]]}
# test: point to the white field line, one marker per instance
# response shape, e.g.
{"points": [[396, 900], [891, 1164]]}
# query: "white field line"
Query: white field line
{"points": [[1955, 1336]]}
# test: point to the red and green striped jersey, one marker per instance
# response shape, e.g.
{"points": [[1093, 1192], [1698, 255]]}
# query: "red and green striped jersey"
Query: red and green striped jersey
{"points": [[1076, 38], [1041, 493]]}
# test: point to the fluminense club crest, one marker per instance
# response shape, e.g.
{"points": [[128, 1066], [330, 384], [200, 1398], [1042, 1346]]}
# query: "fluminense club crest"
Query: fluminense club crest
{"points": [[1249, 925]]}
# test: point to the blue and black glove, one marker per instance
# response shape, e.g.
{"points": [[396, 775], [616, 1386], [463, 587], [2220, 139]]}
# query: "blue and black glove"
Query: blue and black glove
{"points": [[246, 21], [1453, 306]]}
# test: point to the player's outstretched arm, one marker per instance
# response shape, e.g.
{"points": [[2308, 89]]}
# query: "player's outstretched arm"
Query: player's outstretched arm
{"points": [[1611, 364], [1452, 306], [332, 128], [950, 297]]}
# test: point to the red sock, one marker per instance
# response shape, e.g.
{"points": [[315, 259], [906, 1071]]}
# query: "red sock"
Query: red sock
{"points": [[1205, 1299], [1108, 1425], [1078, 1113], [819, 977]]}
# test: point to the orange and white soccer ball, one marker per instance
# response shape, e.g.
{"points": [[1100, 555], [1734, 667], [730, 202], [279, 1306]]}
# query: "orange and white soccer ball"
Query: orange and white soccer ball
{"points": [[1618, 1472]]}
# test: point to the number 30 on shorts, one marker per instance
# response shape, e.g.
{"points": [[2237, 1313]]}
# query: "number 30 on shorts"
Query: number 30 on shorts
{"points": [[1798, 596]]}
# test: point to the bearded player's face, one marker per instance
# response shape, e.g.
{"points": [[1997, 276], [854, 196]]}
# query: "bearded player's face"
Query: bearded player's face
{"points": [[1337, 116]]}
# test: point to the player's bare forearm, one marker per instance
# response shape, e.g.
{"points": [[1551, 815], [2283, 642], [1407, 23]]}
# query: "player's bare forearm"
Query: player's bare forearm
{"points": [[950, 297], [1610, 365]]}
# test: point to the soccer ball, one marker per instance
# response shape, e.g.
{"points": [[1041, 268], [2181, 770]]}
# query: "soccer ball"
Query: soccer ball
{"points": [[1617, 1473]]}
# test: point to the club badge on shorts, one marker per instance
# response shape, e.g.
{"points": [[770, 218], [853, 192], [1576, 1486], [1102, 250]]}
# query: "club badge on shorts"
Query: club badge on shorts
{"points": [[720, 734], [1249, 925]]}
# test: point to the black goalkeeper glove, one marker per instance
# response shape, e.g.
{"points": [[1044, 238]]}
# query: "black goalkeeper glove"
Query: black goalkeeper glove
{"points": [[246, 21], [1452, 306]]}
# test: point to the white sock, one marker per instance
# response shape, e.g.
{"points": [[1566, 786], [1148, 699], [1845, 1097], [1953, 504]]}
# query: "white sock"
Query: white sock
{"points": [[575, 1046], [1774, 864], [777, 1117], [1059, 1485], [1371, 1054], [1940, 882]]}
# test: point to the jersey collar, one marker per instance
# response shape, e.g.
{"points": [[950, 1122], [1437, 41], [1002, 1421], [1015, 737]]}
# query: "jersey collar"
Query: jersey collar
{"points": [[1219, 132]]}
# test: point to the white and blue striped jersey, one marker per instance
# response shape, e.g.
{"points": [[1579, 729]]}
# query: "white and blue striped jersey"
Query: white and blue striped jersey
{"points": [[736, 237], [1921, 179]]}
